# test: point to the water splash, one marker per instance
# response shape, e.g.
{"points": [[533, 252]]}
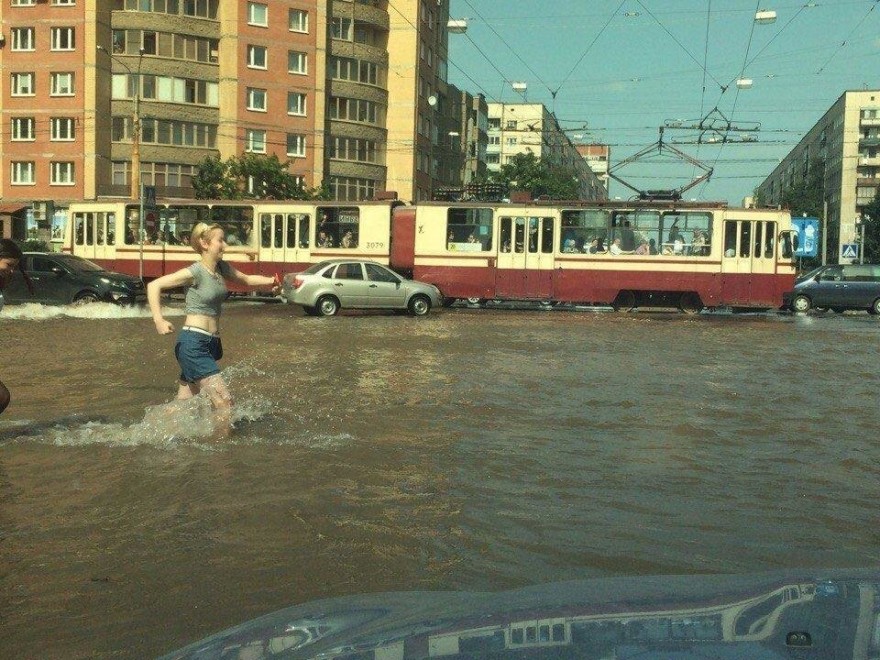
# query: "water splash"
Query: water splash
{"points": [[98, 310]]}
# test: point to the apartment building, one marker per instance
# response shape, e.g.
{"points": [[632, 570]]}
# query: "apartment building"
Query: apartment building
{"points": [[101, 94], [845, 142], [516, 128], [598, 157]]}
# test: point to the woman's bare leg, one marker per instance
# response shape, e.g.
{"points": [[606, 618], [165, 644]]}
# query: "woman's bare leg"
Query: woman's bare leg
{"points": [[221, 400], [187, 390]]}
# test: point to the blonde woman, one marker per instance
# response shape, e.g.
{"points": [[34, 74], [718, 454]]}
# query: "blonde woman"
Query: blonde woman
{"points": [[198, 345]]}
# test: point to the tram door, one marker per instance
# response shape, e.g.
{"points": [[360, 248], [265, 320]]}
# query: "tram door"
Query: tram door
{"points": [[525, 259], [94, 235], [284, 241], [749, 252]]}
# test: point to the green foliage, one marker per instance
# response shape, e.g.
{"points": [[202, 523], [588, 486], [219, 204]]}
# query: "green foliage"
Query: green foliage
{"points": [[538, 176], [230, 179], [871, 218], [34, 245]]}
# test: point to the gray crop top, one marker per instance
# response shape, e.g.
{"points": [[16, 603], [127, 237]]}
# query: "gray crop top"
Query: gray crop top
{"points": [[207, 292]]}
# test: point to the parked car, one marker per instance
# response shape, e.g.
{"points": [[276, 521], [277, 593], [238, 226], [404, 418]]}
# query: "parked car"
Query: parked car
{"points": [[838, 287], [60, 279], [325, 287]]}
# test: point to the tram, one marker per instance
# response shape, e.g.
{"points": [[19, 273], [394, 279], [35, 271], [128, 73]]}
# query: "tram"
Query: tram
{"points": [[627, 254]]}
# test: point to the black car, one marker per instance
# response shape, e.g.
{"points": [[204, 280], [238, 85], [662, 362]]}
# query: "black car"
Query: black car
{"points": [[60, 279], [838, 287]]}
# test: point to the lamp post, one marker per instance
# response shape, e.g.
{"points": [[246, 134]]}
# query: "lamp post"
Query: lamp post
{"points": [[137, 186]]}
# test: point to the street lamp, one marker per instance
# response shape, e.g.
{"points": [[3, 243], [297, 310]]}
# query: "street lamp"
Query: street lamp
{"points": [[137, 186]]}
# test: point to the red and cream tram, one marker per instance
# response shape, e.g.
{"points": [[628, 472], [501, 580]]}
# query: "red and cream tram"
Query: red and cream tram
{"points": [[627, 254]]}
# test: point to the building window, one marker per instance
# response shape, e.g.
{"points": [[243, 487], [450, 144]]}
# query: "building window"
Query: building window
{"points": [[256, 99], [342, 29], [63, 3], [62, 129], [296, 62], [296, 103], [296, 144], [298, 20], [22, 173], [63, 38], [23, 38], [258, 14], [511, 125], [257, 57], [23, 84], [511, 141], [255, 141], [61, 84], [23, 3], [23, 129], [61, 174]]}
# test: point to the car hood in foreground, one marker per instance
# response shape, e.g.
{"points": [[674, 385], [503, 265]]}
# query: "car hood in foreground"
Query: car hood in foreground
{"points": [[807, 613]]}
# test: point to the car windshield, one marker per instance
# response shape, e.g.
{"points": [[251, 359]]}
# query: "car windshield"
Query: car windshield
{"points": [[80, 265], [809, 275]]}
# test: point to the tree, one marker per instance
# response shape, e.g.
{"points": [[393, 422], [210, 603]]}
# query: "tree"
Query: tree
{"points": [[871, 218], [538, 177], [250, 176]]}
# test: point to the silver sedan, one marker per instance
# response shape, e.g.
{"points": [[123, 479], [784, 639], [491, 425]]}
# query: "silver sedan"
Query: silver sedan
{"points": [[326, 287]]}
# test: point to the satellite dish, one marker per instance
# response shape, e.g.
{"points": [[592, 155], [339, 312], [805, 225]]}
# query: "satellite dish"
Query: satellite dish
{"points": [[432, 100]]}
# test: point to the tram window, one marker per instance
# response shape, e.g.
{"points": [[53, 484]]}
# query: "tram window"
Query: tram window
{"points": [[291, 230], [265, 230], [111, 228], [759, 230], [466, 227], [547, 235], [236, 221], [90, 229], [633, 227], [787, 250], [582, 226], [533, 235], [691, 229], [519, 233], [176, 222], [745, 238], [304, 229], [769, 239], [99, 228], [336, 223], [730, 238], [506, 240], [78, 228], [278, 234], [131, 225]]}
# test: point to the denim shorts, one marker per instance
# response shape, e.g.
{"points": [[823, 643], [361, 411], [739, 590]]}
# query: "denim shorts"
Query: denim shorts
{"points": [[197, 353]]}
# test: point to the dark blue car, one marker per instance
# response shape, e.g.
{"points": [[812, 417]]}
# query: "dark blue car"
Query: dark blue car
{"points": [[837, 287]]}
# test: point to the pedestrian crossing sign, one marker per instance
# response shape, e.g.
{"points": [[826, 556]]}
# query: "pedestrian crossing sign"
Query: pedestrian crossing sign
{"points": [[849, 251]]}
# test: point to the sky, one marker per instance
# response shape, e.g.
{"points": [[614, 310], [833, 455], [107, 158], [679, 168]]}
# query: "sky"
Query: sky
{"points": [[620, 69]]}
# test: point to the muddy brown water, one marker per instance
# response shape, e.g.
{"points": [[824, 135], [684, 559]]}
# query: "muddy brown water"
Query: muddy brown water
{"points": [[469, 450]]}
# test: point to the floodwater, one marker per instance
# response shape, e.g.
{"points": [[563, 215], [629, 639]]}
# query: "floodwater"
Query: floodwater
{"points": [[468, 450]]}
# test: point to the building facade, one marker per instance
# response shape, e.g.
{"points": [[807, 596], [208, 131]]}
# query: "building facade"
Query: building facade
{"points": [[845, 142], [99, 94], [519, 128], [598, 157]]}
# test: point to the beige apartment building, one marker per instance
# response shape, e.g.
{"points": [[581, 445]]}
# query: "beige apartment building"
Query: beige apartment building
{"points": [[100, 93], [516, 128], [845, 142], [598, 157]]}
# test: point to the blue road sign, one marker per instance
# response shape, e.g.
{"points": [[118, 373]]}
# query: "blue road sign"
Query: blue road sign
{"points": [[849, 251], [807, 235]]}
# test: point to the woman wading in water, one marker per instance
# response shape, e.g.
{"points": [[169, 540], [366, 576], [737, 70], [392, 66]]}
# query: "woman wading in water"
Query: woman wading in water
{"points": [[198, 345]]}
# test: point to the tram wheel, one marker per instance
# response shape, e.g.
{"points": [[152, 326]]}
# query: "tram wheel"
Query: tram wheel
{"points": [[476, 301], [690, 303], [624, 302]]}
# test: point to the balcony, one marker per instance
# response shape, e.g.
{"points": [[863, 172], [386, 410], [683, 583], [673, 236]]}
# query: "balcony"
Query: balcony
{"points": [[874, 121], [369, 12], [869, 161], [869, 142]]}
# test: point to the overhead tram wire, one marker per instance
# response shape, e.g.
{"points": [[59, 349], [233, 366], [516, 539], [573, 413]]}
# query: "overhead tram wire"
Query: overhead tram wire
{"points": [[843, 43], [590, 46], [510, 48]]}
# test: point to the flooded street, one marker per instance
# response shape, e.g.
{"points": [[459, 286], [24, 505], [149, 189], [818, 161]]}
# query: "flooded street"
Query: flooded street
{"points": [[469, 450]]}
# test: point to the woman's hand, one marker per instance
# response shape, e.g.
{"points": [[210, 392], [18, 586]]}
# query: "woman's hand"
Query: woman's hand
{"points": [[163, 327]]}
